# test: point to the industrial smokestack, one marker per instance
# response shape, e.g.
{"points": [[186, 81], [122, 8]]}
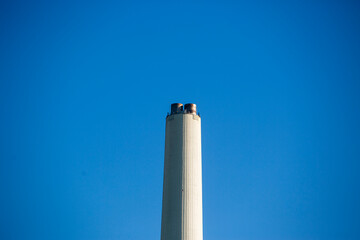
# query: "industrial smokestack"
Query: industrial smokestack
{"points": [[182, 189]]}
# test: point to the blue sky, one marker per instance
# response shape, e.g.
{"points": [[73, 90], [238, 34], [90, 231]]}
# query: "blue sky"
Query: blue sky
{"points": [[85, 87]]}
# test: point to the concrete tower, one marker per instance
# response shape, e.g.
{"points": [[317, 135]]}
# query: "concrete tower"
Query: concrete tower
{"points": [[182, 190]]}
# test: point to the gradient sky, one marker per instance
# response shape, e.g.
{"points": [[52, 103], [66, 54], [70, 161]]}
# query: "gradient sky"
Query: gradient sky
{"points": [[85, 87]]}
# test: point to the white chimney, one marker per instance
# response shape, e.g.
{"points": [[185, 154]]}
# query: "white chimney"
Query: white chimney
{"points": [[182, 189]]}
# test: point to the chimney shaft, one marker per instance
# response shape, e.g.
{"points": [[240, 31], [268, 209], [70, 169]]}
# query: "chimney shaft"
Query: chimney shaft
{"points": [[182, 189]]}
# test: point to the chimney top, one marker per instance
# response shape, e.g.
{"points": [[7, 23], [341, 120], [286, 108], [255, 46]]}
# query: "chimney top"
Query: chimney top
{"points": [[177, 108], [190, 108]]}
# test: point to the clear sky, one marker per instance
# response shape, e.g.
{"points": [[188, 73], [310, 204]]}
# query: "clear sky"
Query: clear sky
{"points": [[85, 87]]}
